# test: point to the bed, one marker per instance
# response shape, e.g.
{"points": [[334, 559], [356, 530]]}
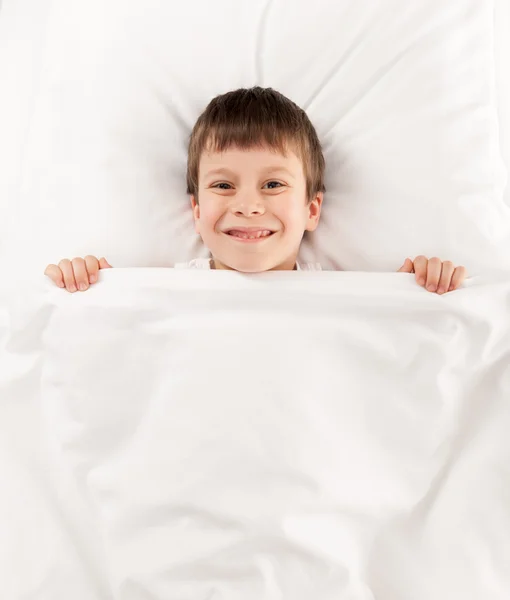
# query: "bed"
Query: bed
{"points": [[215, 436]]}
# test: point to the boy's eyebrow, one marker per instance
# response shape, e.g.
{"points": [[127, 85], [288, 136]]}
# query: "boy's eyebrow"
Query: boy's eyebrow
{"points": [[267, 170], [219, 172]]}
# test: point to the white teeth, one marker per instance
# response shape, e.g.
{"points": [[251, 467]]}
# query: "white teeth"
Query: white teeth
{"points": [[251, 236]]}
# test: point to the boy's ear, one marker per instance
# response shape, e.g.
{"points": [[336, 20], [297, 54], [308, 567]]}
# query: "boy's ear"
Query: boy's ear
{"points": [[196, 212], [314, 212]]}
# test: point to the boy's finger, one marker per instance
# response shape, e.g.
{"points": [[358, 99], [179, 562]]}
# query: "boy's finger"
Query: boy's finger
{"points": [[67, 271], [103, 264], [80, 274], [433, 273], [55, 274], [92, 265], [446, 277], [458, 277], [420, 269], [407, 267]]}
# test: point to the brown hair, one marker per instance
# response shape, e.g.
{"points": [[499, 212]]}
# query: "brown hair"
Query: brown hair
{"points": [[253, 117]]}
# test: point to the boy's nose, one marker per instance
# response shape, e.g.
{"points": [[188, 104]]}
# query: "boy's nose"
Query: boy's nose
{"points": [[248, 207], [248, 212]]}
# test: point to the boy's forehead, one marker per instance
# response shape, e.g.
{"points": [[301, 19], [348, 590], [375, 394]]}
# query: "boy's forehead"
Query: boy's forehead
{"points": [[260, 158]]}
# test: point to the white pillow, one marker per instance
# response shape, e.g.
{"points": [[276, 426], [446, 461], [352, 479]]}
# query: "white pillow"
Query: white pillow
{"points": [[401, 94], [502, 56]]}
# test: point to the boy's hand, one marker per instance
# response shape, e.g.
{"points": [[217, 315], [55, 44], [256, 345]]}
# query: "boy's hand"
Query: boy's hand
{"points": [[434, 274], [76, 274]]}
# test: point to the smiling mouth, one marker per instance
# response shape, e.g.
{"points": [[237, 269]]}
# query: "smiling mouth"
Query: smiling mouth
{"points": [[249, 235]]}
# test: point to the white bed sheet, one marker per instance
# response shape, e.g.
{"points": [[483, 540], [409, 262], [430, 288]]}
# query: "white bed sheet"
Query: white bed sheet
{"points": [[209, 435]]}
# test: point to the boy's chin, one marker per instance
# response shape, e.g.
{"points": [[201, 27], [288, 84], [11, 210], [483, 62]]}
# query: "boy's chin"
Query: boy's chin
{"points": [[253, 265], [243, 266]]}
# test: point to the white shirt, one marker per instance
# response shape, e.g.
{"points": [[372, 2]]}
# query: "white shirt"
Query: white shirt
{"points": [[206, 263]]}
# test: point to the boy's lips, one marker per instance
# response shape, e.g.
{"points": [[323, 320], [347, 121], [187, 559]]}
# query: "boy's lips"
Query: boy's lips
{"points": [[249, 234]]}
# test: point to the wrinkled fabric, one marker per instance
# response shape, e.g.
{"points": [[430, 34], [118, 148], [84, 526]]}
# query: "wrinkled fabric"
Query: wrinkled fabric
{"points": [[283, 435]]}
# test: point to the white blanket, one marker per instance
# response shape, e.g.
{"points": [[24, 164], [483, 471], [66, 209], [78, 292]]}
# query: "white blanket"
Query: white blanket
{"points": [[284, 436]]}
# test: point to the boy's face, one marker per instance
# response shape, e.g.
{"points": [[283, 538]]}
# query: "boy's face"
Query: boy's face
{"points": [[252, 210]]}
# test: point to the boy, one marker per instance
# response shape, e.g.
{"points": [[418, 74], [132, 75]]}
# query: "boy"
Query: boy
{"points": [[255, 177]]}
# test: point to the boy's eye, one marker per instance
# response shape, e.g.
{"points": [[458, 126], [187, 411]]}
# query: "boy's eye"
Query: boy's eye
{"points": [[222, 185]]}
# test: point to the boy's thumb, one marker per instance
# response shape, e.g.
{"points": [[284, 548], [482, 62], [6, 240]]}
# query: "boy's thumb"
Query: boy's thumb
{"points": [[407, 267], [103, 264]]}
